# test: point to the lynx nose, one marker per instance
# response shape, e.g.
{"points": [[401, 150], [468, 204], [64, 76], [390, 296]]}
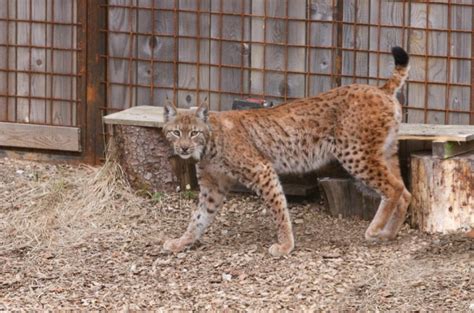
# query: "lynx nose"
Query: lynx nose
{"points": [[185, 149]]}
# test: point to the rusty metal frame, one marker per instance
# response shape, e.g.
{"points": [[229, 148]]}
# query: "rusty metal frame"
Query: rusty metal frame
{"points": [[83, 68], [337, 49]]}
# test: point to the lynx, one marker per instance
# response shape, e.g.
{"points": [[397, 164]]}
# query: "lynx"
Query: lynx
{"points": [[356, 125]]}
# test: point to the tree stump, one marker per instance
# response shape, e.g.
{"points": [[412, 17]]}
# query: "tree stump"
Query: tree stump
{"points": [[148, 162], [347, 197], [443, 193]]}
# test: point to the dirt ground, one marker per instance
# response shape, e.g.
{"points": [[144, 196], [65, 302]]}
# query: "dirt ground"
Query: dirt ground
{"points": [[70, 238]]}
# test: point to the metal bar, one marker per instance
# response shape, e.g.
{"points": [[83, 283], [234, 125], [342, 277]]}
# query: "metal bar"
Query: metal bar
{"points": [[153, 46], [198, 48], [130, 57], [337, 56], [51, 103], [30, 15], [285, 55], [448, 74], [175, 59], [221, 5], [425, 104], [354, 60], [291, 72], [7, 118], [308, 26], [471, 118], [16, 62]]}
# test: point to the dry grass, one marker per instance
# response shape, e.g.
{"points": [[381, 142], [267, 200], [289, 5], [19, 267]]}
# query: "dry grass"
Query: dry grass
{"points": [[61, 204], [80, 238]]}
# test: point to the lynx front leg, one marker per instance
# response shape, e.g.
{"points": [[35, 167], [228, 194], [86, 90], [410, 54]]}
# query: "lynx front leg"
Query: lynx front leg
{"points": [[266, 183], [211, 198]]}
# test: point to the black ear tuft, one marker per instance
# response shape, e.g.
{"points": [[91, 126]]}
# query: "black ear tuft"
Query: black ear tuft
{"points": [[400, 56], [203, 110], [169, 110]]}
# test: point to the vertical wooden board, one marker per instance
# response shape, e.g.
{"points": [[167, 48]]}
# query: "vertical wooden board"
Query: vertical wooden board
{"points": [[11, 52], [62, 63], [417, 45], [460, 69], [437, 67], [232, 53], [320, 34], [22, 37], [362, 42], [275, 30], [355, 37], [348, 16], [120, 46], [187, 47], [164, 74], [384, 38], [3, 66], [145, 50], [204, 51], [297, 56], [257, 49], [38, 62]]}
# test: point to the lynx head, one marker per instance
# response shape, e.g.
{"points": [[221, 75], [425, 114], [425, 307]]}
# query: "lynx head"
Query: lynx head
{"points": [[188, 132]]}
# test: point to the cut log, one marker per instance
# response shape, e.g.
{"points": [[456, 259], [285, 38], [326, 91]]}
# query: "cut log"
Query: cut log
{"points": [[347, 197], [147, 160], [443, 193]]}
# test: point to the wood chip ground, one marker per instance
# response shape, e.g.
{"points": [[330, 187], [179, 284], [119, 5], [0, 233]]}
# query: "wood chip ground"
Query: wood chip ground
{"points": [[113, 260]]}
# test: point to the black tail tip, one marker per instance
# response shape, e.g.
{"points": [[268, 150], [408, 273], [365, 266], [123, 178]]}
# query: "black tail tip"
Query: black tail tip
{"points": [[400, 56]]}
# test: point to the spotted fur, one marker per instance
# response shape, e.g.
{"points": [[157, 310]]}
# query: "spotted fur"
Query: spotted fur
{"points": [[355, 124]]}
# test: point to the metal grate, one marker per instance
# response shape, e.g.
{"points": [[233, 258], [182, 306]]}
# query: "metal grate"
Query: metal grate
{"points": [[280, 50], [39, 61]]}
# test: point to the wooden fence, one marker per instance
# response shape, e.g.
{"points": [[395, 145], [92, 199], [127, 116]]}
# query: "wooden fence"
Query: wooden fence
{"points": [[65, 63]]}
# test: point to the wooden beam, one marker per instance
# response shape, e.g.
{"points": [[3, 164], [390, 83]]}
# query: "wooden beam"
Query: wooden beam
{"points": [[40, 137], [432, 132], [447, 149]]}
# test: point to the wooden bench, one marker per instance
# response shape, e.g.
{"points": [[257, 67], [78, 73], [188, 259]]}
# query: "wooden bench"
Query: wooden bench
{"points": [[145, 157]]}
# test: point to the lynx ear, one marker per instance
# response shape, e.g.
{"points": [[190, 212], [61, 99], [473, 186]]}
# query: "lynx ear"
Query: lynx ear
{"points": [[170, 110], [203, 110]]}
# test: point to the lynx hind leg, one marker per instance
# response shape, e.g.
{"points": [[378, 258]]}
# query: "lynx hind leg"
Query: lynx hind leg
{"points": [[211, 197], [372, 168], [398, 217], [265, 182]]}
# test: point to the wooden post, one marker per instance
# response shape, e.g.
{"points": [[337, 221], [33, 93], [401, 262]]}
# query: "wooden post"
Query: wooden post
{"points": [[443, 192], [347, 197]]}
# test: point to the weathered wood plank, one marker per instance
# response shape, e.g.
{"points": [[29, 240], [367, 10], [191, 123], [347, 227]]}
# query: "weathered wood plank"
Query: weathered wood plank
{"points": [[432, 132], [417, 43], [164, 75], [120, 45], [63, 62], [448, 149], [40, 137], [187, 47], [22, 56], [460, 70], [3, 65], [153, 117], [320, 34], [39, 61], [233, 51]]}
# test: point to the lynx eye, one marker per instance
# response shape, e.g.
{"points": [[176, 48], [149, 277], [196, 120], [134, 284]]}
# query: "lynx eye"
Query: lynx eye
{"points": [[194, 133], [177, 133]]}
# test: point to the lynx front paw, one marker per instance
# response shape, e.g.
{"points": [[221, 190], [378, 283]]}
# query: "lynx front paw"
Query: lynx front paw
{"points": [[174, 245], [278, 250], [372, 235]]}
